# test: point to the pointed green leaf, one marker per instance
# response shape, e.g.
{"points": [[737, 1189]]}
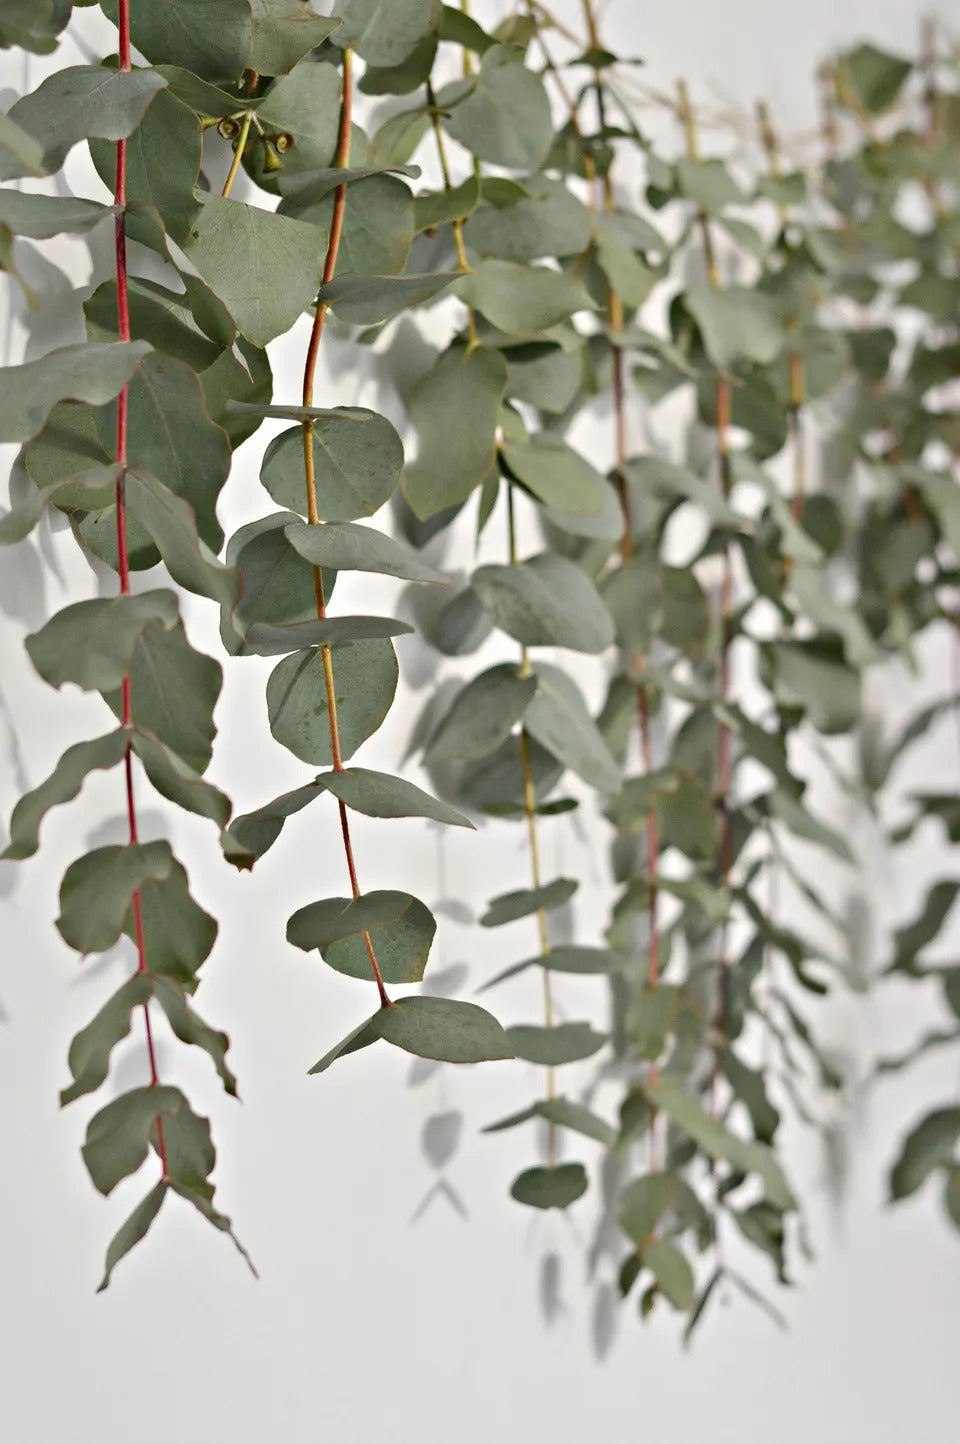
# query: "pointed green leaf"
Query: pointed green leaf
{"points": [[202, 1201], [558, 718], [191, 457], [929, 1145], [346, 546], [190, 1028], [177, 781], [440, 1028], [370, 300], [384, 32], [118, 1137], [278, 588], [719, 1142], [551, 1047], [63, 785], [432, 209], [708, 183], [129, 1234], [546, 220], [264, 640], [872, 78], [510, 906], [178, 934], [566, 1114], [96, 892], [646, 1200], [76, 103], [378, 794], [265, 268], [672, 1272], [814, 675], [41, 217], [505, 118], [321, 923], [377, 228], [174, 690], [172, 524], [283, 32], [93, 373], [162, 167], [545, 601], [400, 928], [210, 37], [555, 473], [451, 461], [90, 1050], [92, 643], [257, 831], [570, 959], [736, 324], [94, 489], [522, 300], [483, 714], [361, 1037]]}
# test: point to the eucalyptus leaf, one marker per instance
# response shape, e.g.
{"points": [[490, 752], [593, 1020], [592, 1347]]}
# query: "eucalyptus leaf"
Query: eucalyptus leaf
{"points": [[553, 1046], [522, 300], [483, 714], [210, 37], [92, 373], [63, 785], [557, 717], [266, 268], [173, 688], [369, 300], [75, 104], [384, 32], [377, 794], [504, 118], [510, 906], [118, 1137], [41, 217], [450, 1032], [91, 1048], [451, 461], [344, 546], [92, 643], [283, 32], [130, 1233], [556, 1187], [365, 675], [96, 892], [931, 1144], [545, 601]]}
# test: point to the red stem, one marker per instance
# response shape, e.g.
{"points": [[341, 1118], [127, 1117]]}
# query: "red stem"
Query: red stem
{"points": [[123, 559]]}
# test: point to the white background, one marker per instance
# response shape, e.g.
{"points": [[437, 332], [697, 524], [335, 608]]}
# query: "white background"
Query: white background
{"points": [[365, 1325]]}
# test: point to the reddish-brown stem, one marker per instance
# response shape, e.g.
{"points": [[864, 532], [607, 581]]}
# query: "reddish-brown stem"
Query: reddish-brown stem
{"points": [[123, 559], [341, 161]]}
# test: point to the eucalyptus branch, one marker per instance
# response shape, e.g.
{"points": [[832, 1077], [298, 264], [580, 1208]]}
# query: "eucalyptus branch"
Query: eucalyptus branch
{"points": [[123, 330]]}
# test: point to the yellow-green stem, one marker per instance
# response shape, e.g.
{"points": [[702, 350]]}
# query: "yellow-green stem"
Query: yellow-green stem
{"points": [[238, 150]]}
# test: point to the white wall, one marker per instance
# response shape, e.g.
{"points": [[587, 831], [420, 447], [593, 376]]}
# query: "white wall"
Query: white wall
{"points": [[366, 1326]]}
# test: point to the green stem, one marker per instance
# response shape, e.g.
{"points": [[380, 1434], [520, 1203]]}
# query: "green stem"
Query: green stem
{"points": [[342, 162], [238, 150], [530, 816]]}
